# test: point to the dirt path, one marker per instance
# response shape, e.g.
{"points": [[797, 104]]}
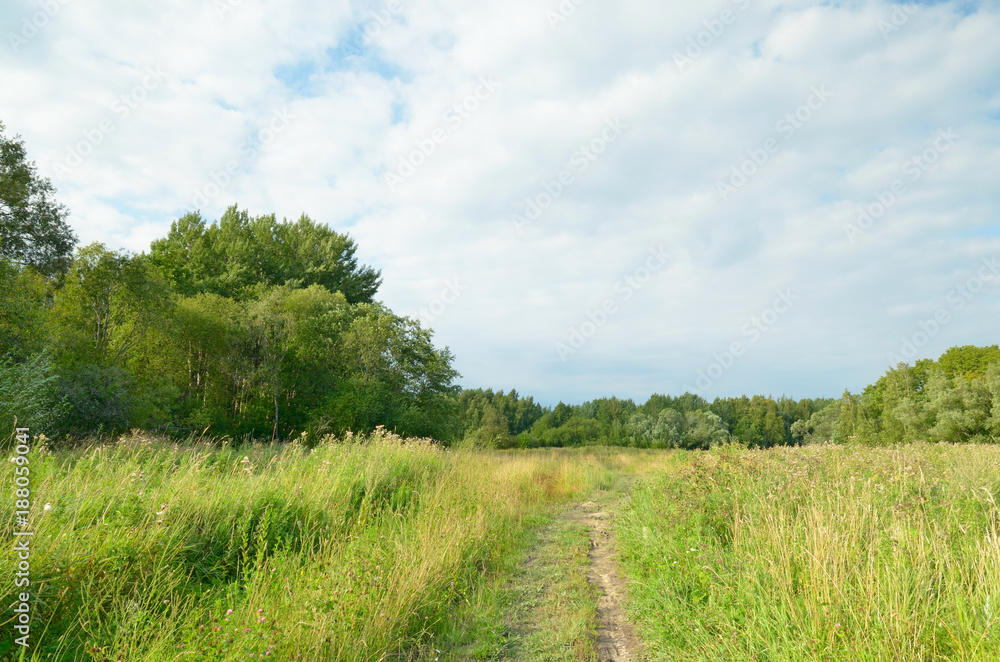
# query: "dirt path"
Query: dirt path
{"points": [[616, 637]]}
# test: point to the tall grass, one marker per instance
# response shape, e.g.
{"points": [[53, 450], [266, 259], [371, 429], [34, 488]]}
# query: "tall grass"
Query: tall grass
{"points": [[819, 553], [352, 551]]}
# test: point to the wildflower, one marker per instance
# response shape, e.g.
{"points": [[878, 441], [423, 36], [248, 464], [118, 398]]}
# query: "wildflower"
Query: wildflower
{"points": [[229, 612], [47, 507]]}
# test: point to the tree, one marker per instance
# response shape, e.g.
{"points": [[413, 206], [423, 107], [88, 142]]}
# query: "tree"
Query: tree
{"points": [[33, 229], [239, 255], [23, 308], [109, 300], [201, 350], [520, 414], [494, 433], [107, 306], [703, 430], [968, 360], [992, 383], [820, 427], [390, 374]]}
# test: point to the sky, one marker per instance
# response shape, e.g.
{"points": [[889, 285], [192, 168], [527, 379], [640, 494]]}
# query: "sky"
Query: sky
{"points": [[582, 198]]}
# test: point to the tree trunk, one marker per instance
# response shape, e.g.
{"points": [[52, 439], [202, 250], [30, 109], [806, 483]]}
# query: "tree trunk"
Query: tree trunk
{"points": [[274, 435]]}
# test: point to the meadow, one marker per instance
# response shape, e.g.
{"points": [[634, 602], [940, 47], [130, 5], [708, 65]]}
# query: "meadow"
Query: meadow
{"points": [[362, 550], [380, 548], [819, 553]]}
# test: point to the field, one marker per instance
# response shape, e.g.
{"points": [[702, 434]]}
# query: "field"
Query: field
{"points": [[377, 549]]}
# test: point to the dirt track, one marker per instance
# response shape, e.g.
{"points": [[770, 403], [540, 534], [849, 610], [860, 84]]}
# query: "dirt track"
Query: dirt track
{"points": [[616, 637]]}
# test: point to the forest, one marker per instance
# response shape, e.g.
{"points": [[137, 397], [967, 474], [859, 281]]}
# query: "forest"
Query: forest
{"points": [[250, 327]]}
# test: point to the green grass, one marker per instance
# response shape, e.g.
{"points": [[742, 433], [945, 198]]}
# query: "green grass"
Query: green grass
{"points": [[384, 550], [153, 551], [818, 553]]}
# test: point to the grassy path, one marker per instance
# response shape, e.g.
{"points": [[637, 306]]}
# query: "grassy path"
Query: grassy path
{"points": [[566, 600]]}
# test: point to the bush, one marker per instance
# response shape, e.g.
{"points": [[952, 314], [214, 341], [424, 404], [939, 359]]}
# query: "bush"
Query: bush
{"points": [[98, 400]]}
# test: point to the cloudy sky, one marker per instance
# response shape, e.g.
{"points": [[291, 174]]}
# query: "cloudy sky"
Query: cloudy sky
{"points": [[581, 198]]}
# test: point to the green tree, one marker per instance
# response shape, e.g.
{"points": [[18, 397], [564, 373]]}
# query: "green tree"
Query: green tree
{"points": [[239, 254], [703, 430], [101, 316], [493, 432], [393, 376], [24, 304], [820, 427], [33, 228], [202, 356], [969, 361], [991, 381], [109, 300]]}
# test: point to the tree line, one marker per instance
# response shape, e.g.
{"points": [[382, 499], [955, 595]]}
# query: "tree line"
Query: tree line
{"points": [[953, 399], [508, 420]]}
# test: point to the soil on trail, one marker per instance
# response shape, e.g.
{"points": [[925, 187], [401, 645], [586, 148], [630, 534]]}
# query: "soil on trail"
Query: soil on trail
{"points": [[616, 637]]}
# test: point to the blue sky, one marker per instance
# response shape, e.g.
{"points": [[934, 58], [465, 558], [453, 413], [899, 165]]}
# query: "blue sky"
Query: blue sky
{"points": [[822, 176]]}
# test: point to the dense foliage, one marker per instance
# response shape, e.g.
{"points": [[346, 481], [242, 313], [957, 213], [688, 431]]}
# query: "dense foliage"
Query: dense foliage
{"points": [[240, 254], [688, 421], [953, 399], [247, 327]]}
